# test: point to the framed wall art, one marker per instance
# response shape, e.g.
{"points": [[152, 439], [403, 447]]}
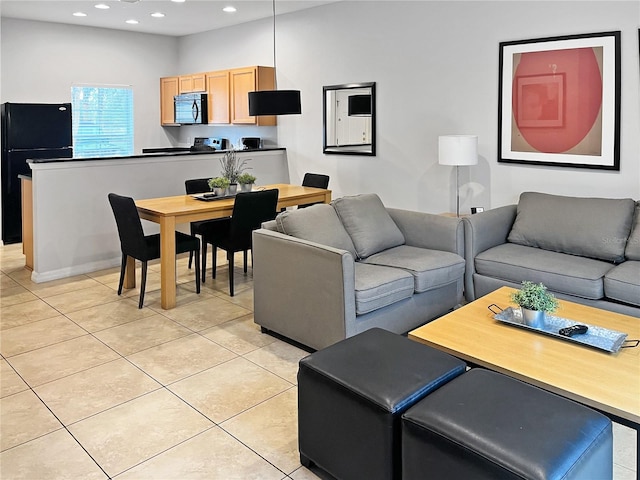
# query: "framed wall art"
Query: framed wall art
{"points": [[559, 101]]}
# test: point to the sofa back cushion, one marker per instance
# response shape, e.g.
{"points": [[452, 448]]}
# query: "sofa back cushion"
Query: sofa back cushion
{"points": [[317, 223], [632, 252], [589, 227], [368, 223]]}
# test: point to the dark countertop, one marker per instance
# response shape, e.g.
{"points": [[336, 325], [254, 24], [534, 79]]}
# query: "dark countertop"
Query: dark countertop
{"points": [[146, 155]]}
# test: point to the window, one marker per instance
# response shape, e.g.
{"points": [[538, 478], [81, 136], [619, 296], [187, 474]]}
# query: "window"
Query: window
{"points": [[102, 121]]}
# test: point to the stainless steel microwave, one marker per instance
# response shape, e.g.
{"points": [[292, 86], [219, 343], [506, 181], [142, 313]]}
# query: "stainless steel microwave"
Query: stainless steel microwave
{"points": [[191, 108]]}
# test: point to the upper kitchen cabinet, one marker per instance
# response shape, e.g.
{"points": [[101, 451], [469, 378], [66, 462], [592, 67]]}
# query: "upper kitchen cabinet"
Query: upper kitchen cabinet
{"points": [[192, 83], [243, 81], [218, 96], [168, 90]]}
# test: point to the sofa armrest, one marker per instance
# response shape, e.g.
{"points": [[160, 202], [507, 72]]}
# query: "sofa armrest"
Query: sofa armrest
{"points": [[302, 290], [427, 230], [482, 232]]}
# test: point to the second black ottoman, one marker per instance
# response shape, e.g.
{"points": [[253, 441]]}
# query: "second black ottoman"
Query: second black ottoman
{"points": [[488, 426], [351, 396]]}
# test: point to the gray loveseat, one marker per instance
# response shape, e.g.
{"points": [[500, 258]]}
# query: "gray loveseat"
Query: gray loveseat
{"points": [[327, 272], [586, 250]]}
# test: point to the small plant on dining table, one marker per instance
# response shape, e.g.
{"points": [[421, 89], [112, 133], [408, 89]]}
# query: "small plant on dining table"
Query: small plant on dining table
{"points": [[218, 182], [246, 178]]}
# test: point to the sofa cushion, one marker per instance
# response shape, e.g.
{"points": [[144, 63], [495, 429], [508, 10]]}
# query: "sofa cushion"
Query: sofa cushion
{"points": [[632, 251], [430, 269], [622, 283], [317, 223], [368, 223], [377, 286], [560, 272], [589, 227]]}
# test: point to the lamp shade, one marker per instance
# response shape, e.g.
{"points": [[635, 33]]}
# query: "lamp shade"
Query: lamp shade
{"points": [[458, 150], [359, 106], [274, 102]]}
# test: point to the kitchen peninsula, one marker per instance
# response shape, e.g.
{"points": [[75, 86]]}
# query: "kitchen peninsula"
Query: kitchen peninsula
{"points": [[74, 231]]}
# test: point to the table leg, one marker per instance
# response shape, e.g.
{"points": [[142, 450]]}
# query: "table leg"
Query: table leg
{"points": [[167, 262], [130, 273]]}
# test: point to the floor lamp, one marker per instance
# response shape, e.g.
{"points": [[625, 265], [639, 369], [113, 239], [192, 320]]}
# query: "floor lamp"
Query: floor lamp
{"points": [[458, 150]]}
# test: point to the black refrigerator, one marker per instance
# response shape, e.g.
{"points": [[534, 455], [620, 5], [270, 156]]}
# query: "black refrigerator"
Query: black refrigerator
{"points": [[29, 131]]}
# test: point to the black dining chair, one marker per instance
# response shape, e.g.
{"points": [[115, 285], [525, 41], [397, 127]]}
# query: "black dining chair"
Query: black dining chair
{"points": [[193, 186], [233, 235], [314, 180], [134, 243]]}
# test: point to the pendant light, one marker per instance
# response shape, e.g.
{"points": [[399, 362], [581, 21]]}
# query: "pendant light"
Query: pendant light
{"points": [[274, 102]]}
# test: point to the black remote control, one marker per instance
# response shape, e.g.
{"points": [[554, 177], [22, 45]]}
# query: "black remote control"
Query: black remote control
{"points": [[573, 330]]}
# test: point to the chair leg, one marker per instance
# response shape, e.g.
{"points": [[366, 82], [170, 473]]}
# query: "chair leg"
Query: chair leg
{"points": [[191, 252], [244, 254], [143, 283], [123, 267], [197, 268], [204, 259], [230, 259], [214, 255]]}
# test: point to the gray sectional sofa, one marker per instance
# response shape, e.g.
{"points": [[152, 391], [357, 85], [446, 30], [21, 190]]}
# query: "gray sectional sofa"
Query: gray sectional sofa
{"points": [[586, 250], [327, 272]]}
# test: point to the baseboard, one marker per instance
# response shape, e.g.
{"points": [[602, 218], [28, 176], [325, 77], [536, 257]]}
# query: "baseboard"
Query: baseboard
{"points": [[40, 277]]}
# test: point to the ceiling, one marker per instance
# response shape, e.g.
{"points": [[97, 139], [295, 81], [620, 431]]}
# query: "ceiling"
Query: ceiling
{"points": [[191, 16]]}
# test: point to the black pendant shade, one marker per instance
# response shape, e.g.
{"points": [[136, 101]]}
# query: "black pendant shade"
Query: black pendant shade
{"points": [[274, 102], [359, 106]]}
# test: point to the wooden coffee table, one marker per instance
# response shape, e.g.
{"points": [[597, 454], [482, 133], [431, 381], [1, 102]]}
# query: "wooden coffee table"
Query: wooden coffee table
{"points": [[608, 382]]}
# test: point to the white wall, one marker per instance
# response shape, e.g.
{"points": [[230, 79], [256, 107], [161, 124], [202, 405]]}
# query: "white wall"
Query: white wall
{"points": [[41, 61], [436, 68]]}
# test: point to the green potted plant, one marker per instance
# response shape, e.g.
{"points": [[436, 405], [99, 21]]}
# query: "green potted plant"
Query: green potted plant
{"points": [[535, 301], [232, 168], [219, 185], [246, 181]]}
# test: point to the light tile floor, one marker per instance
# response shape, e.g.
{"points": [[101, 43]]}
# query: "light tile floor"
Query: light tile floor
{"points": [[93, 387]]}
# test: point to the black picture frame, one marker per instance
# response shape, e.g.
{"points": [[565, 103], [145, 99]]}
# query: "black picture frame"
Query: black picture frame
{"points": [[559, 101], [336, 101]]}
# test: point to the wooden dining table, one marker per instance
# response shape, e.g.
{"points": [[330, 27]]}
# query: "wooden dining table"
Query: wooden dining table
{"points": [[171, 211]]}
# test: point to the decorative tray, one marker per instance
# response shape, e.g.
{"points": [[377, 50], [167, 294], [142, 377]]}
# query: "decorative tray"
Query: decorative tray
{"points": [[210, 197], [597, 337]]}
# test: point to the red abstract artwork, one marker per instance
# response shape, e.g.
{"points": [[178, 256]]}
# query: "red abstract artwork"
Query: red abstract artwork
{"points": [[557, 101]]}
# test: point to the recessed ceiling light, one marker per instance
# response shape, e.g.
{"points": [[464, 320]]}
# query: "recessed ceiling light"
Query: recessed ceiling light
{"points": [[178, 1], [132, 22], [229, 9], [102, 6], [157, 14], [79, 14]]}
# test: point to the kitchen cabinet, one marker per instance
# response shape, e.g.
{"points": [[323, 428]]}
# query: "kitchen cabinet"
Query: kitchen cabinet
{"points": [[192, 83], [227, 94], [243, 81], [218, 96], [168, 90]]}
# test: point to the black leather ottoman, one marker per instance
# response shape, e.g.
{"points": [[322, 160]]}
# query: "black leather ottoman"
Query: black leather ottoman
{"points": [[484, 425], [351, 396]]}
